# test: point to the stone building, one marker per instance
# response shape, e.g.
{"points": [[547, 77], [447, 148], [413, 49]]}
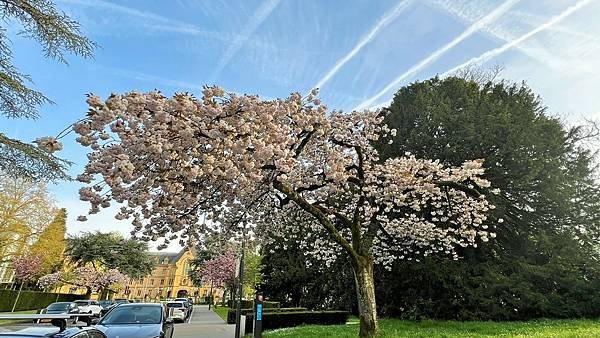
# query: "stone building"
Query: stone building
{"points": [[168, 280]]}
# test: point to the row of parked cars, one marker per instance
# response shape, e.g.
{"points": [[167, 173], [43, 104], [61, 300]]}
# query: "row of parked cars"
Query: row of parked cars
{"points": [[111, 319], [91, 307]]}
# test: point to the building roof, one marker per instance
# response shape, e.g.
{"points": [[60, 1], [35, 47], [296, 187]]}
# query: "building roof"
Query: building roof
{"points": [[172, 257]]}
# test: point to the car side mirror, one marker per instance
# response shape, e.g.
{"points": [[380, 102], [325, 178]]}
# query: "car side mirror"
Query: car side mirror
{"points": [[95, 321], [169, 320]]}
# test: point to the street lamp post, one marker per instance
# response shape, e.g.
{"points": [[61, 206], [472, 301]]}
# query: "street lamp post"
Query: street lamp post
{"points": [[238, 311]]}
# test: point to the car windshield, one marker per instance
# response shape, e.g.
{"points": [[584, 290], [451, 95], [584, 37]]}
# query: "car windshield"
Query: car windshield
{"points": [[133, 315], [58, 306], [121, 301], [174, 305], [105, 302]]}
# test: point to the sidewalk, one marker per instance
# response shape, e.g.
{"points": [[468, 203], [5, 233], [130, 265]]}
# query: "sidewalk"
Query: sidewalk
{"points": [[204, 323]]}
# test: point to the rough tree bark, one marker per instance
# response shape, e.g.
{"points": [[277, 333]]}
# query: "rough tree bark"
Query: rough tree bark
{"points": [[365, 293]]}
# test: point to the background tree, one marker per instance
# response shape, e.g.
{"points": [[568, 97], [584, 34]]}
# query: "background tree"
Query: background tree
{"points": [[219, 271], [51, 242], [103, 281], [244, 162], [252, 271], [210, 246], [545, 256], [27, 268], [57, 34], [110, 251], [296, 280], [26, 209]]}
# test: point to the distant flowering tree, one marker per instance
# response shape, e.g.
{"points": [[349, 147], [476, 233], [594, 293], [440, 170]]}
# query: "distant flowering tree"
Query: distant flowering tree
{"points": [[245, 162], [86, 277], [26, 268], [219, 271]]}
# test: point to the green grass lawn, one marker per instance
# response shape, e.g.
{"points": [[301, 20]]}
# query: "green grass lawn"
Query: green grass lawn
{"points": [[451, 329], [221, 311]]}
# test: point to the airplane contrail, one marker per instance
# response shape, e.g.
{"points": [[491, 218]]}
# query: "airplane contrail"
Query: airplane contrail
{"points": [[499, 50], [259, 16], [489, 18], [385, 20]]}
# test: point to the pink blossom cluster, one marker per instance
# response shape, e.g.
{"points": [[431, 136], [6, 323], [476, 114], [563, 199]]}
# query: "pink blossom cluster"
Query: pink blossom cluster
{"points": [[220, 270], [27, 267], [84, 276], [49, 144], [237, 159], [50, 281]]}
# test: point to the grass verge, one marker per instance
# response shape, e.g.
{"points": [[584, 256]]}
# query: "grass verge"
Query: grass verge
{"points": [[451, 329], [221, 311]]}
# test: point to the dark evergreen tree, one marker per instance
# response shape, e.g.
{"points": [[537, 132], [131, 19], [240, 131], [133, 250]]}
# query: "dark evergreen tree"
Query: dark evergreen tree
{"points": [[545, 255]]}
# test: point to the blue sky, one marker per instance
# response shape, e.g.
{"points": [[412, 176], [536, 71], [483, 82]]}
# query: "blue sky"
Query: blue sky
{"points": [[358, 51]]}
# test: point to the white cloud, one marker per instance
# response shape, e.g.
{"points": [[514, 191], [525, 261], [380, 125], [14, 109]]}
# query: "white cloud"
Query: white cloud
{"points": [[514, 42], [474, 27], [385, 20], [260, 15]]}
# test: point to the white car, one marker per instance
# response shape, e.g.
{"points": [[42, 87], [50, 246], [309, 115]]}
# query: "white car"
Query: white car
{"points": [[176, 310], [89, 306]]}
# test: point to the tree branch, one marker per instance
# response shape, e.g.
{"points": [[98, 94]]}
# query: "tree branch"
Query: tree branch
{"points": [[319, 215]]}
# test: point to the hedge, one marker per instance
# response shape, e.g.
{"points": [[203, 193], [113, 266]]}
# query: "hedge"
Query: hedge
{"points": [[231, 312], [276, 320], [248, 304], [32, 300]]}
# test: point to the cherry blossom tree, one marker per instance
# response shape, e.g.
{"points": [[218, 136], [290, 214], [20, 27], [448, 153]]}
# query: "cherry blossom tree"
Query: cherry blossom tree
{"points": [[247, 164], [26, 268], [86, 277], [219, 271]]}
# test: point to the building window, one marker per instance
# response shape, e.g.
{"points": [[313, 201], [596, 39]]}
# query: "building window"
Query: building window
{"points": [[186, 268], [151, 281], [139, 293], [162, 282]]}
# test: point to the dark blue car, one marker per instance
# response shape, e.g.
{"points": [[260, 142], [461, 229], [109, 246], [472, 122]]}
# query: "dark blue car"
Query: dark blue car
{"points": [[136, 320]]}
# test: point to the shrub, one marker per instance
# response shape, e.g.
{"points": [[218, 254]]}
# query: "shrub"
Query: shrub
{"points": [[276, 320], [248, 304], [32, 300], [245, 312]]}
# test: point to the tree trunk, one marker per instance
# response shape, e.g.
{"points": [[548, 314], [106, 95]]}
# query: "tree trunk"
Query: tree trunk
{"points": [[17, 299], [365, 292]]}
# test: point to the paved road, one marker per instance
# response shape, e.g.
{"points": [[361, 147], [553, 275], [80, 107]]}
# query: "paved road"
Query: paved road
{"points": [[204, 323]]}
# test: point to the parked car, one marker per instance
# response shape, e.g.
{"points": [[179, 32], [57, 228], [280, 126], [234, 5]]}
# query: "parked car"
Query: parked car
{"points": [[62, 308], [177, 310], [58, 330], [89, 306], [186, 302], [50, 332], [106, 305], [136, 320]]}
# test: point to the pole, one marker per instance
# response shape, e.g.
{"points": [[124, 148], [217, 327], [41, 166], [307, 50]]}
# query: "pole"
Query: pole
{"points": [[210, 300], [17, 300], [258, 312], [238, 311]]}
